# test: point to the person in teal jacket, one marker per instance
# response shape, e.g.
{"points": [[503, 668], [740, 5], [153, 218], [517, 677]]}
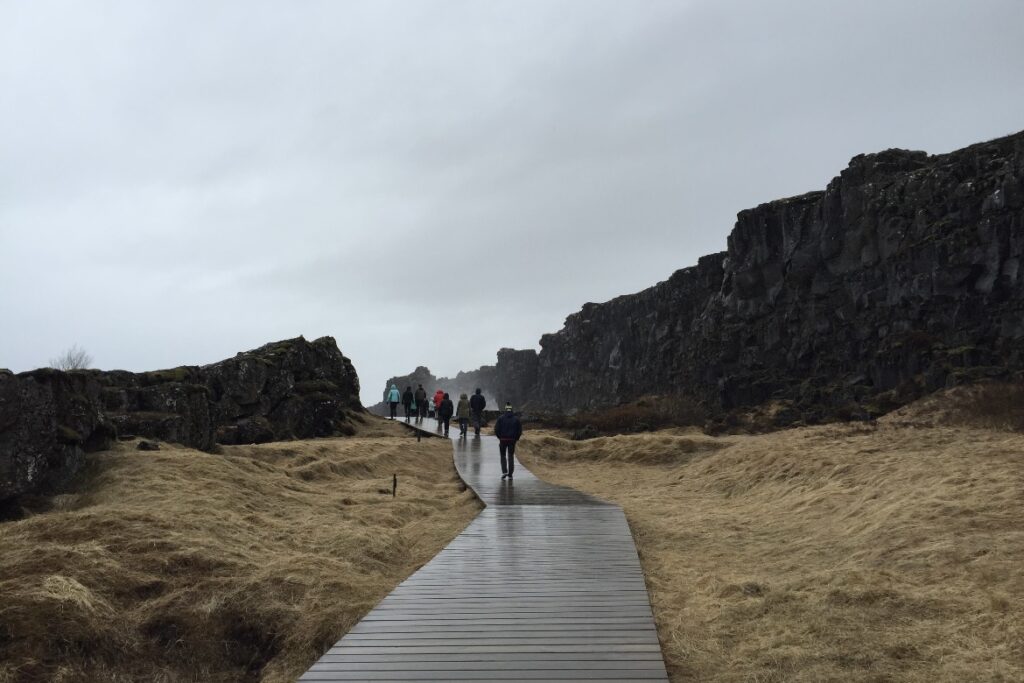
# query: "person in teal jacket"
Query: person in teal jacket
{"points": [[394, 397]]}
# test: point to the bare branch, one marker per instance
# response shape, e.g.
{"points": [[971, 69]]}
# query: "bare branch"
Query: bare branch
{"points": [[75, 358]]}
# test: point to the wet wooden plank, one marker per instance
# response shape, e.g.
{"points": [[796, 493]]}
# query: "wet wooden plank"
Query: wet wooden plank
{"points": [[538, 649], [639, 676], [522, 664], [427, 661], [545, 584]]}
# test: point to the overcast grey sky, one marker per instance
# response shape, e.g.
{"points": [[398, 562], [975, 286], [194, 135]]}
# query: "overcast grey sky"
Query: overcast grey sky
{"points": [[430, 180]]}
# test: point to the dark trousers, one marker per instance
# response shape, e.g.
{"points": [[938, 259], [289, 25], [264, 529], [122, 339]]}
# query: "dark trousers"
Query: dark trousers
{"points": [[507, 449], [445, 421], [478, 418], [423, 409], [463, 425], [394, 409], [408, 410]]}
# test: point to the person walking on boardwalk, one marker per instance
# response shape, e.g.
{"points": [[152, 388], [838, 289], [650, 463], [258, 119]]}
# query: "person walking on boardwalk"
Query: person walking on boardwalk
{"points": [[476, 406], [421, 401], [508, 429], [438, 397], [393, 398], [407, 399], [444, 412], [462, 412]]}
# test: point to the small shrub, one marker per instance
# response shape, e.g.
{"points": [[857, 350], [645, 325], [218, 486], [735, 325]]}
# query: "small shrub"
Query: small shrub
{"points": [[316, 386], [75, 358], [179, 374], [585, 433]]}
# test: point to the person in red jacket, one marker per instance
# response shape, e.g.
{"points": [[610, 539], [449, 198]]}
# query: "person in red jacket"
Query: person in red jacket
{"points": [[438, 397]]}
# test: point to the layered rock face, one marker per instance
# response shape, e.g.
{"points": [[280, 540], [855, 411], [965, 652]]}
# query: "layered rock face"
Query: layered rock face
{"points": [[630, 346], [515, 376], [291, 389], [903, 276], [48, 421]]}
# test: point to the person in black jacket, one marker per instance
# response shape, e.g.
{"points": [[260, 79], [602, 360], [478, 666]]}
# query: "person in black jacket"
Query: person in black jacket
{"points": [[508, 429], [421, 401], [407, 402], [477, 403], [445, 410]]}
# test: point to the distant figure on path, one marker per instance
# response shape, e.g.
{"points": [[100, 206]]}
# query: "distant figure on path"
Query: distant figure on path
{"points": [[462, 412], [438, 397], [421, 401], [407, 399], [393, 398], [476, 407], [444, 412], [508, 429]]}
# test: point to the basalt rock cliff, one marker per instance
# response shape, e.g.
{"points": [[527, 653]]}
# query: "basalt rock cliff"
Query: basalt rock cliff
{"points": [[48, 420], [291, 389], [903, 276]]}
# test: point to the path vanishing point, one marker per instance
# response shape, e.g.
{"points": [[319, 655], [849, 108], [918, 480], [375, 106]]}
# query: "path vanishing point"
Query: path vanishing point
{"points": [[544, 585]]}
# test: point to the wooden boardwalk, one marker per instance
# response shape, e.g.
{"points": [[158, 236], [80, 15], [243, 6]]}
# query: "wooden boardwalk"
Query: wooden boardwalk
{"points": [[544, 585]]}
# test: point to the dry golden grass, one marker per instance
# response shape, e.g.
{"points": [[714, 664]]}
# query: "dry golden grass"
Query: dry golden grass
{"points": [[180, 565], [840, 553]]}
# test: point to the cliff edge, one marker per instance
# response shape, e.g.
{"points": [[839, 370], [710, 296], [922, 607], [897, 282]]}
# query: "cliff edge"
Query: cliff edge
{"points": [[902, 277]]}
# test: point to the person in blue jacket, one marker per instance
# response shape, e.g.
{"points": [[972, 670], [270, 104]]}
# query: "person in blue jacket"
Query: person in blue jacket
{"points": [[508, 429], [394, 397]]}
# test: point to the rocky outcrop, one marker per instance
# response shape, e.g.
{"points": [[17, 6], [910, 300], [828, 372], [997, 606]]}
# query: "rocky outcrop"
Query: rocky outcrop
{"points": [[630, 346], [291, 389], [903, 276], [170, 405], [287, 390], [48, 421], [515, 376]]}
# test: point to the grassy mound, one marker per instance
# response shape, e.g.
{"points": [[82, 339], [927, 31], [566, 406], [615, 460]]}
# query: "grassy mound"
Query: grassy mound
{"points": [[989, 405], [645, 414], [837, 553], [659, 448], [180, 565]]}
